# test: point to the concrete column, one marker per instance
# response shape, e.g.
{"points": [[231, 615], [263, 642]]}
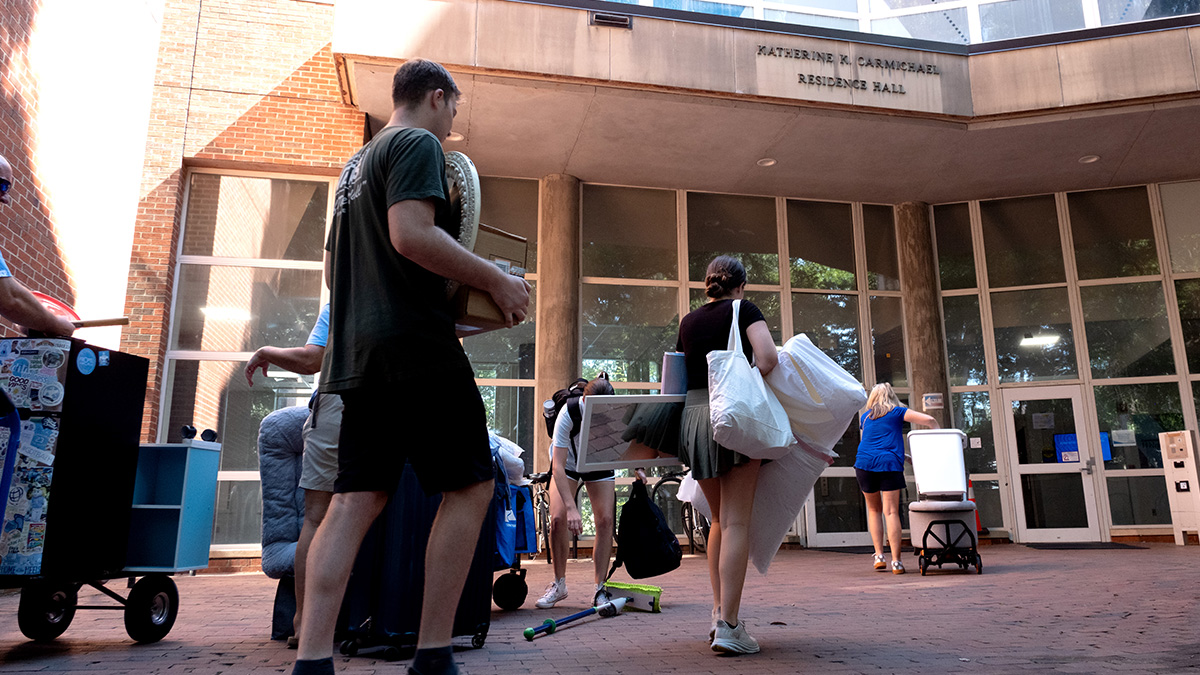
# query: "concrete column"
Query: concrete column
{"points": [[558, 308], [922, 319]]}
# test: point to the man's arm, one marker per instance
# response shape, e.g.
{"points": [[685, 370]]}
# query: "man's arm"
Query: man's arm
{"points": [[18, 305], [304, 360], [415, 236]]}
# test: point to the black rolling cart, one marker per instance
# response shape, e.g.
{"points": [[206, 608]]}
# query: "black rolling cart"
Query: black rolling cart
{"points": [[70, 488]]}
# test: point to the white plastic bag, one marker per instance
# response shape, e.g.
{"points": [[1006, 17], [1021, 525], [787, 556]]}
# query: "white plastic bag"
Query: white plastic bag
{"points": [[746, 417], [688, 488], [783, 487], [821, 399], [510, 454]]}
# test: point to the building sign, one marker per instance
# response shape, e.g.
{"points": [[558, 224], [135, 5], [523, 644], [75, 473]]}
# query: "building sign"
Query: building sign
{"points": [[859, 74], [878, 70]]}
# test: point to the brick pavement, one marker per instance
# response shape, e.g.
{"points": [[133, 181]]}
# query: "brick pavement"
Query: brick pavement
{"points": [[1089, 611]]}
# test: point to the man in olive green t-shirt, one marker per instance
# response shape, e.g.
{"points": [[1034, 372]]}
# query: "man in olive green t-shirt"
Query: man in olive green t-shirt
{"points": [[407, 388]]}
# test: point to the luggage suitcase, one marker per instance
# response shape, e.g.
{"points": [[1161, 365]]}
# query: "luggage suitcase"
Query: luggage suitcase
{"points": [[382, 605]]}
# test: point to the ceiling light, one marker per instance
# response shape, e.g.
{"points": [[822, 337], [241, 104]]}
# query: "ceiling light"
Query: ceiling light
{"points": [[1088, 159], [1038, 341], [766, 161], [455, 136]]}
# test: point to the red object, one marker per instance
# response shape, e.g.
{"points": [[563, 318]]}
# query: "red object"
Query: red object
{"points": [[57, 307], [971, 497]]}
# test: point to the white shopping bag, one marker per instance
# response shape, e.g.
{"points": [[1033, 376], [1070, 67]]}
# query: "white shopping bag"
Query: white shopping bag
{"points": [[821, 399], [746, 417]]}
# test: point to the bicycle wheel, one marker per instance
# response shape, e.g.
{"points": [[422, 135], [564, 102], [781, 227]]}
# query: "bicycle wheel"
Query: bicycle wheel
{"points": [[543, 522], [672, 508]]}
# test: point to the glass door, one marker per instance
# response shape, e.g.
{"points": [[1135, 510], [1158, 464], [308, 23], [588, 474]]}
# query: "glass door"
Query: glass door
{"points": [[1052, 465], [835, 514]]}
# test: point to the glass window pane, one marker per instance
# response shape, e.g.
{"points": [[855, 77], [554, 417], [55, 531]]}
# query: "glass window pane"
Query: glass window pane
{"points": [[887, 341], [1138, 500], [1054, 500], [1131, 417], [1112, 233], [1187, 296], [839, 505], [987, 502], [767, 303], [1019, 18], [956, 257], [973, 416], [847, 446], [1021, 240], [238, 309], [214, 395], [511, 204], [964, 341], [629, 233], [238, 517], [743, 227], [507, 354], [945, 25], [1127, 331], [1181, 213], [821, 245], [806, 19], [244, 217], [1123, 11], [879, 229], [1038, 424], [704, 7], [626, 329], [831, 322], [840, 5], [1034, 341], [510, 412]]}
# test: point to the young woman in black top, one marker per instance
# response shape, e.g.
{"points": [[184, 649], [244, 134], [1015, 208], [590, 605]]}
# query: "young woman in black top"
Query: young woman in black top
{"points": [[727, 479]]}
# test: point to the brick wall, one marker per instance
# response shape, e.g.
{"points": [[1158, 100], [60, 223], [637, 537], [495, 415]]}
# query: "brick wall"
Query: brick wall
{"points": [[248, 83], [27, 237]]}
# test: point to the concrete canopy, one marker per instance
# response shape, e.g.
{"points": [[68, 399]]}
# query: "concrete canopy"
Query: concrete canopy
{"points": [[1000, 124]]}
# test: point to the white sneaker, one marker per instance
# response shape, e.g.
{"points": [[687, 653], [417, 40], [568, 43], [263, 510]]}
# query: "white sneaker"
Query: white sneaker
{"points": [[712, 631], [602, 596], [733, 640], [556, 591]]}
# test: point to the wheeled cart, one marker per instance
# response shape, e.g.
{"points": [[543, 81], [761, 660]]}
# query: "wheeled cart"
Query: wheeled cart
{"points": [[942, 521], [85, 505]]}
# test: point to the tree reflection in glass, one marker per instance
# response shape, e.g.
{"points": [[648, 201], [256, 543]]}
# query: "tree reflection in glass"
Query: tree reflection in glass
{"points": [[1127, 331], [831, 323], [1134, 415], [736, 225], [626, 329], [1034, 341], [964, 341], [973, 416]]}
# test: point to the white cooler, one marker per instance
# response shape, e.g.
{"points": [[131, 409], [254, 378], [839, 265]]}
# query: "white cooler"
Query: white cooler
{"points": [[941, 477]]}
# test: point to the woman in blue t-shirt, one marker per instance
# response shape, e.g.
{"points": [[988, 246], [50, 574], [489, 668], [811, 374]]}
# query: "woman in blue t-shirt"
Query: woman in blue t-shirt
{"points": [[880, 466]]}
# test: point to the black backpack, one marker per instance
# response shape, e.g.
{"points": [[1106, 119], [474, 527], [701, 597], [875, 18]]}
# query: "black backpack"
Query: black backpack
{"points": [[645, 543], [565, 397]]}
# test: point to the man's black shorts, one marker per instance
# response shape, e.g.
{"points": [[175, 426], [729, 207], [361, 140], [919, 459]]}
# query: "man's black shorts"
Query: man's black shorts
{"points": [[440, 427], [878, 481]]}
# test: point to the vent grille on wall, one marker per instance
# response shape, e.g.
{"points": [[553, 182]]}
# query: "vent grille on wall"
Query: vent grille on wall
{"points": [[611, 20]]}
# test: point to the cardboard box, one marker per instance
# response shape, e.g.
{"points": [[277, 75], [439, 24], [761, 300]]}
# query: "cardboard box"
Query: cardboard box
{"points": [[474, 310]]}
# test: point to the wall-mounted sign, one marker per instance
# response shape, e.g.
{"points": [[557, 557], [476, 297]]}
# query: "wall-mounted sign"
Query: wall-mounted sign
{"points": [[932, 402]]}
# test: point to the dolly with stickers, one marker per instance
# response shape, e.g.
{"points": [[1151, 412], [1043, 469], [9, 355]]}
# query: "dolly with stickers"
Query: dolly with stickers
{"points": [[69, 463]]}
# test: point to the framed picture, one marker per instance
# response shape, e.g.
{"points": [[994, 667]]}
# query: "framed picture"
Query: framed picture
{"points": [[629, 431]]}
